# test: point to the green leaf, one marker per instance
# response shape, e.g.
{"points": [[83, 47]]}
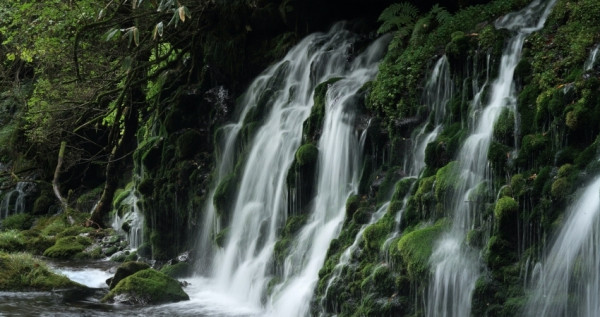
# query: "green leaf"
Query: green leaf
{"points": [[158, 30], [111, 33], [136, 36]]}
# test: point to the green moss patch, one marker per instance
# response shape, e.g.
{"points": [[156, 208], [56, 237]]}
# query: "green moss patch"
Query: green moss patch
{"points": [[415, 248], [12, 241], [23, 272], [19, 222], [67, 247]]}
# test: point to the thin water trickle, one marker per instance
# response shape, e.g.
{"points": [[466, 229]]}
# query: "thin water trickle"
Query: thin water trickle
{"points": [[591, 61], [455, 267]]}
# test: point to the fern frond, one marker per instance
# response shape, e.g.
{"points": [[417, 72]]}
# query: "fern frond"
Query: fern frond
{"points": [[385, 27], [441, 14], [409, 9], [397, 15], [390, 11]]}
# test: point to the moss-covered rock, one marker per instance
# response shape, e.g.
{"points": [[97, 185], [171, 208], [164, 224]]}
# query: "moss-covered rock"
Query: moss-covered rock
{"points": [[146, 287], [177, 270], [506, 218], [124, 270], [67, 247], [42, 204], [314, 122], [446, 182], [414, 249], [23, 272], [377, 233], [307, 154]]}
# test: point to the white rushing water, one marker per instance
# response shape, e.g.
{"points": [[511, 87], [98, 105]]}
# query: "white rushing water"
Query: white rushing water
{"points": [[569, 284], [13, 201], [591, 61], [455, 268], [133, 217], [437, 94], [243, 267]]}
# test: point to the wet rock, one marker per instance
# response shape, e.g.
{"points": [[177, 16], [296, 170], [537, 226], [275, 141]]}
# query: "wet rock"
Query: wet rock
{"points": [[126, 269]]}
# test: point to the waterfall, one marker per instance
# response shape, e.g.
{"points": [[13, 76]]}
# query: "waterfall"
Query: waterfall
{"points": [[13, 202], [338, 170], [591, 61], [569, 284], [437, 94], [456, 268], [133, 218], [243, 266]]}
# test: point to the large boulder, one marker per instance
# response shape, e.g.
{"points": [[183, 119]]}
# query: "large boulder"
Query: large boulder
{"points": [[146, 287], [124, 270]]}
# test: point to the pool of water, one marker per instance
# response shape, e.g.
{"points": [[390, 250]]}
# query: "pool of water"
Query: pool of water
{"points": [[204, 299]]}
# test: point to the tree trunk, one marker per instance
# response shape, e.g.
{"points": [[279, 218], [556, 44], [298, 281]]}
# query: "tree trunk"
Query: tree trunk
{"points": [[121, 152], [61, 155]]}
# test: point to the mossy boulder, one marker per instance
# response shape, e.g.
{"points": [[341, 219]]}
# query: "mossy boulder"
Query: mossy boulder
{"points": [[504, 128], [446, 181], [376, 233], [352, 204], [314, 122], [561, 187], [67, 247], [307, 154], [506, 218], [146, 287], [23, 272], [179, 269], [415, 248], [42, 204], [499, 253], [124, 270]]}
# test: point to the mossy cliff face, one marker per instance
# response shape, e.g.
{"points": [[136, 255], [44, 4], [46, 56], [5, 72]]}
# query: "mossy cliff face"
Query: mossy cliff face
{"points": [[539, 152]]}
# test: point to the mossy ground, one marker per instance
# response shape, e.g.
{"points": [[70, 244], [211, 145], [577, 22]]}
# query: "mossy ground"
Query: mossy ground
{"points": [[23, 272]]}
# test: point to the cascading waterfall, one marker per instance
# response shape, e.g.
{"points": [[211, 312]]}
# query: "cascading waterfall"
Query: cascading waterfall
{"points": [[569, 284], [591, 61], [243, 267], [455, 268], [340, 156], [133, 218], [13, 201], [437, 94]]}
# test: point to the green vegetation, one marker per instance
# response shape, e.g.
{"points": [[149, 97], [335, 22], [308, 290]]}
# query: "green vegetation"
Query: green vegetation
{"points": [[22, 272], [415, 248]]}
